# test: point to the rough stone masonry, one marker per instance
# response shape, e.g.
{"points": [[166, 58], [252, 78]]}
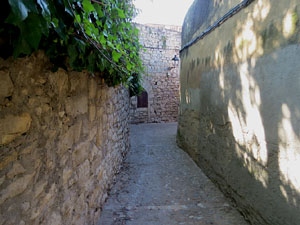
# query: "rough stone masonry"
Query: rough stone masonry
{"points": [[63, 136], [161, 76]]}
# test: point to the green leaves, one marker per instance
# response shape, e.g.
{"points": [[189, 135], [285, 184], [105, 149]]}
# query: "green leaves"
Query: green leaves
{"points": [[21, 8], [21, 47], [129, 66], [121, 14], [99, 11], [102, 40], [73, 54], [116, 56], [93, 35], [45, 9], [87, 6], [32, 30]]}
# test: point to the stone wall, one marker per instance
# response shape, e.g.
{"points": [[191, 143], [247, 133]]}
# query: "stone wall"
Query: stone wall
{"points": [[161, 78], [240, 105], [63, 136]]}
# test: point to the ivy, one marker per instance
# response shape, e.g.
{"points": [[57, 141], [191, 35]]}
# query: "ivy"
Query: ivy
{"points": [[93, 35]]}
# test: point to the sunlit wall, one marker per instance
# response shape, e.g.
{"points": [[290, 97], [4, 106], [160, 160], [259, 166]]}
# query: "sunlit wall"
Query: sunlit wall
{"points": [[240, 105]]}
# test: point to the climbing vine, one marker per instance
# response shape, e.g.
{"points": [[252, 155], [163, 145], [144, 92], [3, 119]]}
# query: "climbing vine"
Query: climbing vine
{"points": [[96, 35]]}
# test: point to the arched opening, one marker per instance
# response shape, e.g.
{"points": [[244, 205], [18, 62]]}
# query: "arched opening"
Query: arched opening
{"points": [[142, 100]]}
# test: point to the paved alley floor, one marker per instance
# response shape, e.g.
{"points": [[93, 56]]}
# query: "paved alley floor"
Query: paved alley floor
{"points": [[160, 185]]}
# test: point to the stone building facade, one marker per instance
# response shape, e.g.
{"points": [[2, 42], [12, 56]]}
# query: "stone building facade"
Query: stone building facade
{"points": [[63, 136], [160, 101]]}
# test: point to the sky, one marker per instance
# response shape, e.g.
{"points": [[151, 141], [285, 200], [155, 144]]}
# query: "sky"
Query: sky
{"points": [[168, 12]]}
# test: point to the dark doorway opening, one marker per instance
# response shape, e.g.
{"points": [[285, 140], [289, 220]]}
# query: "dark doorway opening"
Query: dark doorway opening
{"points": [[142, 100]]}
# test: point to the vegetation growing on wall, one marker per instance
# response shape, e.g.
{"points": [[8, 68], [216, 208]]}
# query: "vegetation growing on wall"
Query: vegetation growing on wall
{"points": [[96, 35], [164, 40]]}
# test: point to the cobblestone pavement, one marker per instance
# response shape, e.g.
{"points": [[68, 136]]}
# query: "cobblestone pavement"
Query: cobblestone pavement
{"points": [[160, 185]]}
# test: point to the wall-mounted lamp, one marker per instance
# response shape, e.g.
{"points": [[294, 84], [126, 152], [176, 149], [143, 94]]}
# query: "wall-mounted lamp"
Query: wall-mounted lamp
{"points": [[175, 60]]}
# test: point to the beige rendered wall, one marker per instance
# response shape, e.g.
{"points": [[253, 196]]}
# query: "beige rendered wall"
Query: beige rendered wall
{"points": [[240, 106], [63, 136]]}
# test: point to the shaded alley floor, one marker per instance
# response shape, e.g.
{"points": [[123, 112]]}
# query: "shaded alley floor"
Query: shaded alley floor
{"points": [[161, 185]]}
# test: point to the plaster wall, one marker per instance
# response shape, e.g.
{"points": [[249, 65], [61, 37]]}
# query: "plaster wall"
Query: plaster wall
{"points": [[161, 77], [240, 106], [63, 136]]}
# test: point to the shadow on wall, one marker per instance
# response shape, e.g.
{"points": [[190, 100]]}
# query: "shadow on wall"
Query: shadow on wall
{"points": [[248, 125]]}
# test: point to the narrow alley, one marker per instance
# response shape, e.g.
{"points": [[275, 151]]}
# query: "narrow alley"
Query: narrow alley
{"points": [[160, 185]]}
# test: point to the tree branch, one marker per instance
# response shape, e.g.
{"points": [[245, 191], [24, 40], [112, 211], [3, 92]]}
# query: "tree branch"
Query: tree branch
{"points": [[100, 3]]}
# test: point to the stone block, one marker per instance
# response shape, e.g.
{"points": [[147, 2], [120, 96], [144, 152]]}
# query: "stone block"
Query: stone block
{"points": [[81, 153], [7, 160], [103, 93], [68, 205], [12, 126], [67, 173], [66, 141], [59, 81], [77, 131], [99, 137], [92, 133], [2, 179], [77, 105], [63, 162], [49, 198], [15, 188], [104, 119], [61, 114], [55, 219], [71, 137], [84, 173], [94, 199], [92, 88], [6, 85], [35, 213], [38, 91], [15, 170], [95, 152], [38, 111], [25, 206], [92, 113], [100, 112], [39, 188]]}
